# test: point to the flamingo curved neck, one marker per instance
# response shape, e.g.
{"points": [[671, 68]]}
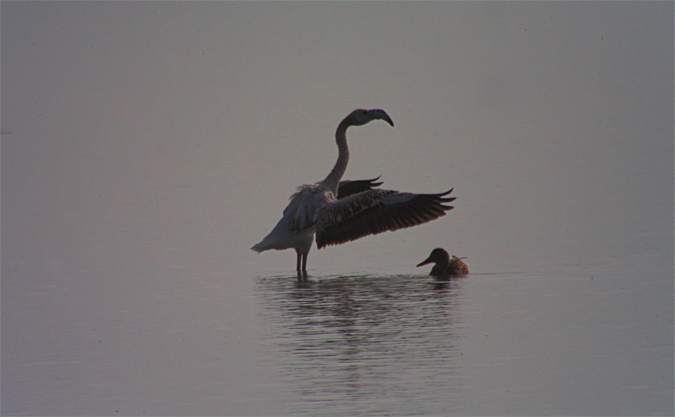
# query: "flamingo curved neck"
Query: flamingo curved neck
{"points": [[333, 179]]}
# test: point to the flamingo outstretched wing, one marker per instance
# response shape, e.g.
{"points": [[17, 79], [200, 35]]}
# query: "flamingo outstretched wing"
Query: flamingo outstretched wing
{"points": [[376, 211]]}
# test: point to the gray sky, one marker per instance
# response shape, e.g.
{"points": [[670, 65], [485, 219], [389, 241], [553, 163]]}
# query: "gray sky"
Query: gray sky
{"points": [[199, 119]]}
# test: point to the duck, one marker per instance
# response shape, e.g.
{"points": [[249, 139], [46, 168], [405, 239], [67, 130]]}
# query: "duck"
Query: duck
{"points": [[445, 266]]}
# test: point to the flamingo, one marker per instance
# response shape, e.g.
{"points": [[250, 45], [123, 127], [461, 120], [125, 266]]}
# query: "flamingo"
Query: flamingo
{"points": [[339, 212], [444, 265]]}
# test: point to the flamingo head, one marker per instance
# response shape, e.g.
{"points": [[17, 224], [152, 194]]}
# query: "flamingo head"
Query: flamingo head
{"points": [[360, 117]]}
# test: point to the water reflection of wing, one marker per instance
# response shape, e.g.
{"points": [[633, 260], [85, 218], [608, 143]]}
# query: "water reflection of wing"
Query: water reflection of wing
{"points": [[358, 334]]}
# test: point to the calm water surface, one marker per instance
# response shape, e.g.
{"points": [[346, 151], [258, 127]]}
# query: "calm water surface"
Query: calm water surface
{"points": [[589, 337], [489, 344]]}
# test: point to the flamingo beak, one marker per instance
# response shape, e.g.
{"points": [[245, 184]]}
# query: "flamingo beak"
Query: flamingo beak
{"points": [[380, 115], [387, 119]]}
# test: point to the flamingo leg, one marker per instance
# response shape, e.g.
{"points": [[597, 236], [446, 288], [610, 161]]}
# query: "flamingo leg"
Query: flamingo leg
{"points": [[304, 262], [301, 265]]}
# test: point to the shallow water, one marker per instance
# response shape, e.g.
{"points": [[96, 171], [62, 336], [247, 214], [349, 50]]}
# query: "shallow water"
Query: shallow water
{"points": [[488, 344], [196, 339], [364, 344]]}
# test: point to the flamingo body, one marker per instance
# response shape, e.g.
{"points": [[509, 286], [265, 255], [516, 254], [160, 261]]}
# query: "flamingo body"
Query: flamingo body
{"points": [[342, 211]]}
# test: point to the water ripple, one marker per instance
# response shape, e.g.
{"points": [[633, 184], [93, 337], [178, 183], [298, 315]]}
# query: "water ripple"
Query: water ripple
{"points": [[364, 344]]}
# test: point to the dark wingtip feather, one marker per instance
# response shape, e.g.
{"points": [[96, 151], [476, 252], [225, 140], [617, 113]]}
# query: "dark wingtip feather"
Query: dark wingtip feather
{"points": [[444, 199]]}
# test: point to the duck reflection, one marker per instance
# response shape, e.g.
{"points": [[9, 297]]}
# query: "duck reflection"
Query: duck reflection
{"points": [[355, 339]]}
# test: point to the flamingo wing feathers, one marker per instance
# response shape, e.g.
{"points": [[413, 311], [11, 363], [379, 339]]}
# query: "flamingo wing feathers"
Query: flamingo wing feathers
{"points": [[376, 211], [351, 187]]}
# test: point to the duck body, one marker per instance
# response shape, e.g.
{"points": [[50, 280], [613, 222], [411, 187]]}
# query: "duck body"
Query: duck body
{"points": [[445, 266]]}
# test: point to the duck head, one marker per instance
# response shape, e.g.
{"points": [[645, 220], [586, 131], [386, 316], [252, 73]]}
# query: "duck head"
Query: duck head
{"points": [[437, 256], [441, 258]]}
